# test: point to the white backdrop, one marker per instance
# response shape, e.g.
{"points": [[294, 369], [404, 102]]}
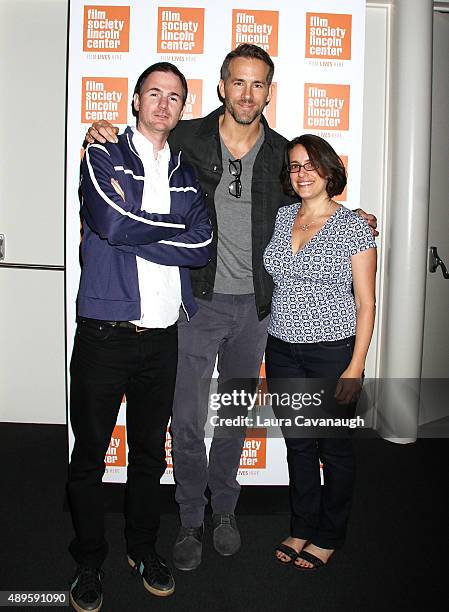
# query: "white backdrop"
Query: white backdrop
{"points": [[318, 83]]}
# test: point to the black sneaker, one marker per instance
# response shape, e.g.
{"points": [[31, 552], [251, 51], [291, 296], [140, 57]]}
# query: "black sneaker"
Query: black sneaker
{"points": [[85, 591], [156, 576]]}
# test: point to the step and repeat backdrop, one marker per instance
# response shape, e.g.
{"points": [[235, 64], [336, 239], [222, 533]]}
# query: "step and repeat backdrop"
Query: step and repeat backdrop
{"points": [[317, 47]]}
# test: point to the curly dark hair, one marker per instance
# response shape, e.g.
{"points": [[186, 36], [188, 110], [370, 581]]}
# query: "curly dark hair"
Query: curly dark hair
{"points": [[329, 166]]}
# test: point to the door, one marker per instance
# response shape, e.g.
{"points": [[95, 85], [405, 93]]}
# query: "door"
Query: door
{"points": [[435, 363]]}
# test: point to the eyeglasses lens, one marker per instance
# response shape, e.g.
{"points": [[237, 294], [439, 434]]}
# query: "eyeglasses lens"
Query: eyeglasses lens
{"points": [[235, 170]]}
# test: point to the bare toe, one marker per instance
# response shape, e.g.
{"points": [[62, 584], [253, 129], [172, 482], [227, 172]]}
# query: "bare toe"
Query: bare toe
{"points": [[289, 549], [313, 557]]}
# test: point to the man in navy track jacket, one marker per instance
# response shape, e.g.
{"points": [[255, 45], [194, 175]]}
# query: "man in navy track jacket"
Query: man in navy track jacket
{"points": [[144, 225]]}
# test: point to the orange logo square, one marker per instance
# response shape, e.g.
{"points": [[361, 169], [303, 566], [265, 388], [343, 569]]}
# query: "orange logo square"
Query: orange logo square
{"points": [[104, 98], [262, 387], [343, 196], [116, 453], [270, 109], [256, 27], [106, 28], [328, 36], [254, 454], [194, 103], [180, 30], [326, 106]]}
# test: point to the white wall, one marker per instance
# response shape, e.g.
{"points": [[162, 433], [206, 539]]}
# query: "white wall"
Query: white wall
{"points": [[373, 196], [32, 65], [32, 105]]}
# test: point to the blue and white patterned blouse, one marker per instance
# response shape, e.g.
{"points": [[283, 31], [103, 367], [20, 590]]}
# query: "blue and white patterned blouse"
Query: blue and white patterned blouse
{"points": [[312, 298]]}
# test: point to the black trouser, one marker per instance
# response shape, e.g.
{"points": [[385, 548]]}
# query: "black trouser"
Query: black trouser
{"points": [[319, 513], [107, 363]]}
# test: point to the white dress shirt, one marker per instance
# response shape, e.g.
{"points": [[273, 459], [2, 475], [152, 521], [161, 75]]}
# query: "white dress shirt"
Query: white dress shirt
{"points": [[159, 286]]}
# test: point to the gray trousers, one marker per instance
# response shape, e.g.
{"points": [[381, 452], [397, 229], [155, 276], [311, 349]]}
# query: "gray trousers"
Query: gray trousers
{"points": [[227, 326]]}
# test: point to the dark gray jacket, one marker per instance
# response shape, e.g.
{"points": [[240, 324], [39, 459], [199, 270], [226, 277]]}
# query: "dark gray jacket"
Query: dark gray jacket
{"points": [[199, 141]]}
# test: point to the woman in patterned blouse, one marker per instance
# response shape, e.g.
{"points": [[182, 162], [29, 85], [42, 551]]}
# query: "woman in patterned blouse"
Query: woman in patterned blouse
{"points": [[322, 258]]}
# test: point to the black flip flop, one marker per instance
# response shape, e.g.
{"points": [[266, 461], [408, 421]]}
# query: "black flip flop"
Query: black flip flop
{"points": [[288, 551], [313, 559]]}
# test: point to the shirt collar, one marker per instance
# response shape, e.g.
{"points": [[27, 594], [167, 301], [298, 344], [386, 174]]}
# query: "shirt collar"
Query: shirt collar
{"points": [[146, 150]]}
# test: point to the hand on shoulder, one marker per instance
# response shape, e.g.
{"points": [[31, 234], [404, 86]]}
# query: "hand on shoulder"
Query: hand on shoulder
{"points": [[102, 131], [371, 219]]}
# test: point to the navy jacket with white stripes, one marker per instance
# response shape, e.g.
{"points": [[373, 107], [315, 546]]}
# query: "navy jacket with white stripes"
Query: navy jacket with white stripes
{"points": [[115, 230]]}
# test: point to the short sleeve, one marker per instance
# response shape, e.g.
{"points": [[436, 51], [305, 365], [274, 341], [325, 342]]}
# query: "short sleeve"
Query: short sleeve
{"points": [[283, 213], [360, 237]]}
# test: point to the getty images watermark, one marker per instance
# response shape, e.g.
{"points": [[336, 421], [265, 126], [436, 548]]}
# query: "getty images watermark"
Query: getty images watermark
{"points": [[243, 401]]}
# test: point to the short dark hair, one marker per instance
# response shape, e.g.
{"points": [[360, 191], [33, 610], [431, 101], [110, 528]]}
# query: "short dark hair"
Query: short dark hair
{"points": [[160, 67], [323, 157], [247, 51]]}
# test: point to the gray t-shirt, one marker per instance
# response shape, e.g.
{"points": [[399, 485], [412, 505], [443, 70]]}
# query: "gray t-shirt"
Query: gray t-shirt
{"points": [[234, 252]]}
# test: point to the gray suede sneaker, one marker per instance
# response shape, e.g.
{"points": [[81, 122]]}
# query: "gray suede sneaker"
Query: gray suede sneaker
{"points": [[226, 534], [188, 548]]}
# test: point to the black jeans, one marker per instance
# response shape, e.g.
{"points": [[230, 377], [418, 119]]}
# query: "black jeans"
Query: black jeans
{"points": [[107, 363], [319, 513]]}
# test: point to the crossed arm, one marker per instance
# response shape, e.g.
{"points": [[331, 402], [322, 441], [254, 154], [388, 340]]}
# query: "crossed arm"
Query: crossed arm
{"points": [[111, 213], [190, 248], [167, 239]]}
